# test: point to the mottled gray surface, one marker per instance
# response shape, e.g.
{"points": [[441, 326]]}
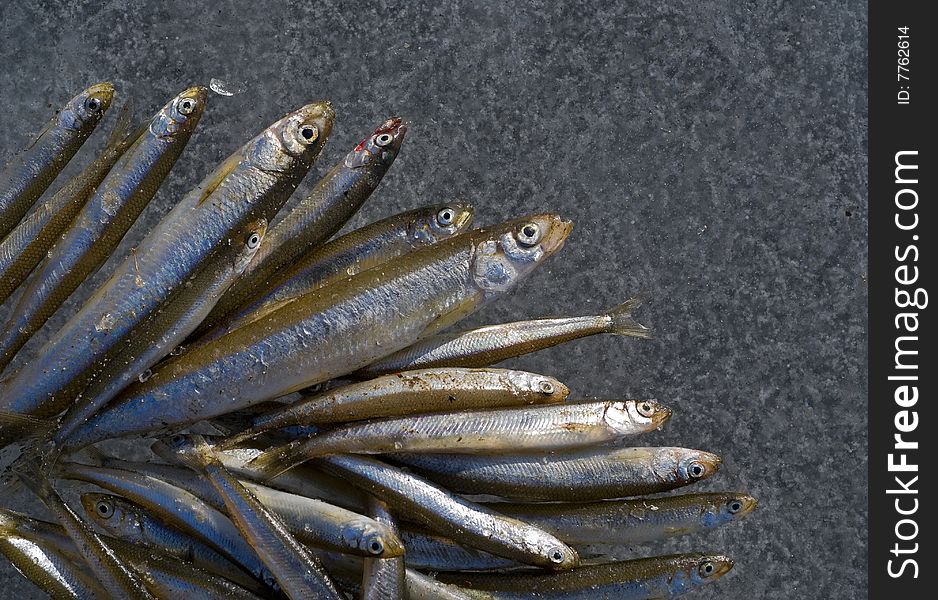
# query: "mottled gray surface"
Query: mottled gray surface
{"points": [[711, 154]]}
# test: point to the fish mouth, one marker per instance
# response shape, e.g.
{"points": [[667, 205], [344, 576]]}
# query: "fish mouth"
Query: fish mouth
{"points": [[749, 504], [321, 114], [662, 415], [199, 92], [557, 232], [723, 565], [103, 91], [465, 216], [396, 127]]}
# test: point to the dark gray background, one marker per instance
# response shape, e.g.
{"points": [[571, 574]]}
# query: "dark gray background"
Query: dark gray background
{"points": [[711, 154]]}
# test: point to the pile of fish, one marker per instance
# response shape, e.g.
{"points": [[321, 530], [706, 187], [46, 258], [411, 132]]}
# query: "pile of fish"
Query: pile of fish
{"points": [[317, 430]]}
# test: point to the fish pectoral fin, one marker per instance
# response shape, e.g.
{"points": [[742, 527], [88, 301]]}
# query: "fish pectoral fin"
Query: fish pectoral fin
{"points": [[219, 175]]}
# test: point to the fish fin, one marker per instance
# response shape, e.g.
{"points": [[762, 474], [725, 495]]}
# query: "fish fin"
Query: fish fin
{"points": [[218, 176], [122, 127], [622, 322], [277, 460], [16, 427]]}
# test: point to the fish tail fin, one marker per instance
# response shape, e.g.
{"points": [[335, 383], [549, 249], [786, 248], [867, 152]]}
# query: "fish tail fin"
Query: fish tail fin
{"points": [[122, 126], [26, 429], [239, 438], [277, 460], [622, 322]]}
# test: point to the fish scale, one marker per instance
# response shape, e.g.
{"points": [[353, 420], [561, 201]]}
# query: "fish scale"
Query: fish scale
{"points": [[584, 475], [252, 183]]}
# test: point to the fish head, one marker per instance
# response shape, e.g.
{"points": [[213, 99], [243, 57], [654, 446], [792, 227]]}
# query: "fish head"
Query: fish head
{"points": [[383, 145], [546, 386], [294, 141], [188, 449], [245, 241], [693, 570], [181, 114], [85, 110], [435, 223], [695, 465], [625, 415], [506, 253], [725, 507], [377, 542], [110, 512]]}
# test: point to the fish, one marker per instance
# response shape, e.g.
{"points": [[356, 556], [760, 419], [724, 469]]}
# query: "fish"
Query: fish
{"points": [[113, 575], [509, 430], [99, 227], [428, 551], [448, 514], [27, 175], [124, 520], [653, 578], [169, 577], [166, 327], [312, 521], [46, 565], [350, 254], [580, 476], [177, 508], [252, 183], [383, 578], [321, 336], [411, 392], [299, 573], [424, 587], [30, 241], [165, 575], [634, 521], [332, 202], [494, 343]]}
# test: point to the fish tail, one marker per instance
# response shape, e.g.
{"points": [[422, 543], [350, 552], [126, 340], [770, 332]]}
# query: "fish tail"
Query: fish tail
{"points": [[122, 126], [25, 429], [238, 439], [622, 323], [275, 461]]}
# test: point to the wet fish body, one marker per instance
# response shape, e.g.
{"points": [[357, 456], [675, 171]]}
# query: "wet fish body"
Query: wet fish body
{"points": [[526, 429], [581, 476], [350, 254], [411, 392], [27, 175], [317, 217], [252, 183], [492, 344], [654, 578], [321, 336], [26, 246], [95, 233]]}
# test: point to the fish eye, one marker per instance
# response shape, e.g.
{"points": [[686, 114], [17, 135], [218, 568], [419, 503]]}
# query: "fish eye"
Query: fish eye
{"points": [[309, 133], [177, 439], [254, 240], [104, 509], [546, 387], [556, 555], [696, 470], [93, 104], [376, 547], [734, 506], [445, 217], [646, 409], [529, 235], [706, 569], [384, 139], [186, 106]]}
